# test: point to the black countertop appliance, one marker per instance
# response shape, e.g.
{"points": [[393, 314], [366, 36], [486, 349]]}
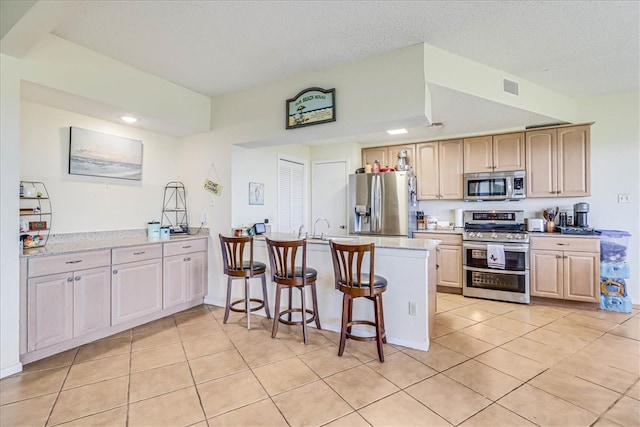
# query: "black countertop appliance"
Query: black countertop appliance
{"points": [[580, 211]]}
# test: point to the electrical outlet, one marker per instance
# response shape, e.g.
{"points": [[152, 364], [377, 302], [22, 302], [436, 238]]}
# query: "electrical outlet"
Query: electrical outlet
{"points": [[624, 198], [412, 308], [203, 217], [212, 201]]}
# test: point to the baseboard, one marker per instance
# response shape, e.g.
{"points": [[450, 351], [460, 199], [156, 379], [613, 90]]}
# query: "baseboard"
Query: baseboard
{"points": [[449, 290], [14, 369]]}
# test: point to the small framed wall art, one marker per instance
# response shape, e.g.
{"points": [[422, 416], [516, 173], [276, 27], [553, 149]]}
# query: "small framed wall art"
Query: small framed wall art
{"points": [[256, 193]]}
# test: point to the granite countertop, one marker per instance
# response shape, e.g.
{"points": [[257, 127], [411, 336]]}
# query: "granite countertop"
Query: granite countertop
{"points": [[78, 242], [562, 236], [389, 242]]}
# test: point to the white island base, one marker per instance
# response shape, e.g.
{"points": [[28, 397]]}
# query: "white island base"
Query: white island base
{"points": [[409, 265]]}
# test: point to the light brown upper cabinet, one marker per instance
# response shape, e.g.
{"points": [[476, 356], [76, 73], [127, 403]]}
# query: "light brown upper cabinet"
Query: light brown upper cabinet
{"points": [[370, 155], [439, 170], [494, 153], [558, 161], [388, 155]]}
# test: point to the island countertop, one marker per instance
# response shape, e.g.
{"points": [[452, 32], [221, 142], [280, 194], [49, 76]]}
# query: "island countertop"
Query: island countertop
{"points": [[390, 242]]}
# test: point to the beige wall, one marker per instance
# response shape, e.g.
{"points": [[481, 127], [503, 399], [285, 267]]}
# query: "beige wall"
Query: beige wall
{"points": [[85, 203], [9, 236]]}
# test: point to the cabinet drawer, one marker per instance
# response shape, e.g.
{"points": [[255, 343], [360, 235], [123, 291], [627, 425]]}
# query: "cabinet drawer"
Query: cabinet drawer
{"points": [[185, 247], [565, 244], [451, 239], [71, 262], [136, 253]]}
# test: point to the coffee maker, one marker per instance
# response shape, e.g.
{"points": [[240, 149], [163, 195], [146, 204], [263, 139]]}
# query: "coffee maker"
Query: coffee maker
{"points": [[580, 211]]}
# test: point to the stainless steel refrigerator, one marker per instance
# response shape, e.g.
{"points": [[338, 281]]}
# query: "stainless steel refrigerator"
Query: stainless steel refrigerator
{"points": [[379, 204]]}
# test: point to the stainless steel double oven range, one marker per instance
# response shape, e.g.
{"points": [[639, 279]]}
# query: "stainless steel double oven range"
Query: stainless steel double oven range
{"points": [[491, 236]]}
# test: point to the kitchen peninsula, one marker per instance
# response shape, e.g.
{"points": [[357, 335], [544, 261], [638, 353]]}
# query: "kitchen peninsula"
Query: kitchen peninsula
{"points": [[409, 265]]}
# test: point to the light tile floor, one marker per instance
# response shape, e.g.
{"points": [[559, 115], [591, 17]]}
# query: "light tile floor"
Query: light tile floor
{"points": [[490, 364]]}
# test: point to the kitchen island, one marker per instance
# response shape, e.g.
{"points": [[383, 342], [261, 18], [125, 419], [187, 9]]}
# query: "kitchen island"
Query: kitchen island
{"points": [[409, 265]]}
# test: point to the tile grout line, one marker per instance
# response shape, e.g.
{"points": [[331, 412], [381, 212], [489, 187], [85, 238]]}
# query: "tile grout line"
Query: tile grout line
{"points": [[61, 386], [195, 385]]}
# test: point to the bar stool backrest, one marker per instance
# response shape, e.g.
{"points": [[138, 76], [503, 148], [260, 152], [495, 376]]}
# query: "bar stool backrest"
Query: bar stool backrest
{"points": [[233, 255], [282, 259], [348, 263]]}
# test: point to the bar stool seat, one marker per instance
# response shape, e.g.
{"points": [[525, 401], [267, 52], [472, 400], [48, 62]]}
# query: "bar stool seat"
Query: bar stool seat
{"points": [[289, 270], [348, 262], [237, 267]]}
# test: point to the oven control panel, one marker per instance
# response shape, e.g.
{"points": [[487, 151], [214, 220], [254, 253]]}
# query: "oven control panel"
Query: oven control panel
{"points": [[484, 236]]}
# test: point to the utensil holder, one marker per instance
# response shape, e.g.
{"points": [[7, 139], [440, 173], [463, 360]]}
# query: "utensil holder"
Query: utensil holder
{"points": [[551, 227]]}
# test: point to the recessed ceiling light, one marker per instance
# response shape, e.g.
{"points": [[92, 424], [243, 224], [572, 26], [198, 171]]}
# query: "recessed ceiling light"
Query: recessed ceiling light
{"points": [[396, 131], [128, 119]]}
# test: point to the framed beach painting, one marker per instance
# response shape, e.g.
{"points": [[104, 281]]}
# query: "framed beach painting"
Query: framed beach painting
{"points": [[99, 154]]}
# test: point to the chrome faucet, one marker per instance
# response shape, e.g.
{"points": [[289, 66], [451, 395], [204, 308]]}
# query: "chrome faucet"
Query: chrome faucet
{"points": [[314, 227], [300, 231]]}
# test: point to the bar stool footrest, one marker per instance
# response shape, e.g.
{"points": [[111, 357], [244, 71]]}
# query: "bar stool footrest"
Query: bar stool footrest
{"points": [[360, 337], [296, 322], [244, 302]]}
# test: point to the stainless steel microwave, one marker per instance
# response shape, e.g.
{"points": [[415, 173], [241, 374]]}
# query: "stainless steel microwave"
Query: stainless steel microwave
{"points": [[495, 185]]}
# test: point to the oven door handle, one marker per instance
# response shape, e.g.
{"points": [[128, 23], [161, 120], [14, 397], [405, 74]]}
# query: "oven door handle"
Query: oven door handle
{"points": [[496, 270], [509, 247]]}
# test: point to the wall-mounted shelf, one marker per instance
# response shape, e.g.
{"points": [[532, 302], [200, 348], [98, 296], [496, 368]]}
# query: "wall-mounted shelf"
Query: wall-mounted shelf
{"points": [[35, 214]]}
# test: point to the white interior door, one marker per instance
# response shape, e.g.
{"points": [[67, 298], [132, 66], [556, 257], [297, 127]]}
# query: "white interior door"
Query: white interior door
{"points": [[329, 197]]}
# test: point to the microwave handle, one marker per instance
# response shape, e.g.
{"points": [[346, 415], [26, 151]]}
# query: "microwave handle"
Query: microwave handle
{"points": [[509, 187]]}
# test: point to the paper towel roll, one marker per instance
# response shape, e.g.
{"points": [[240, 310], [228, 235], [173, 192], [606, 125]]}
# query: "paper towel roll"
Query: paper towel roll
{"points": [[458, 222]]}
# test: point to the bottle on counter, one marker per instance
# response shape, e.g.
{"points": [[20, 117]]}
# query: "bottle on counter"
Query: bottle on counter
{"points": [[376, 167]]}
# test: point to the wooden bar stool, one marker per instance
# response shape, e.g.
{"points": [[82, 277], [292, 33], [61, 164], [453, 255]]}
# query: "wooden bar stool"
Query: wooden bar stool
{"points": [[236, 266], [290, 271], [353, 282]]}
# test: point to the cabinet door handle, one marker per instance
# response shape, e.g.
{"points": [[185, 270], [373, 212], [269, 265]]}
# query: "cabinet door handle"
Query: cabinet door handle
{"points": [[565, 257], [558, 257], [189, 259], [70, 279], [563, 244], [77, 278], [115, 271], [437, 266], [140, 253], [186, 247], [74, 262]]}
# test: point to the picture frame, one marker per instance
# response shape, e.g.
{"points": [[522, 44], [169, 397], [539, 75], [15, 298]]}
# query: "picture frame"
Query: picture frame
{"points": [[311, 106], [99, 154], [256, 193]]}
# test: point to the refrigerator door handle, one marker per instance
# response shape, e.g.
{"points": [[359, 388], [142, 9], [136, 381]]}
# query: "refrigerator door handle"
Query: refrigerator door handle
{"points": [[372, 214], [378, 189]]}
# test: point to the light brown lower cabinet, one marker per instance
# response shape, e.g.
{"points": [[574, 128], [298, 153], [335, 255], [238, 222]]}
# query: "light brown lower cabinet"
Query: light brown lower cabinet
{"points": [[63, 305], [71, 299], [136, 282], [185, 272], [448, 258], [565, 268]]}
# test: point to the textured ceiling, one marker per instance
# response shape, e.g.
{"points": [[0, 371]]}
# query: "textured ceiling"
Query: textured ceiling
{"points": [[576, 48]]}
